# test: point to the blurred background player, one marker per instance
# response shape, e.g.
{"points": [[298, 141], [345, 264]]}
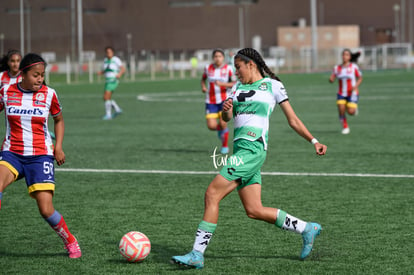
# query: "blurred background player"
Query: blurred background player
{"points": [[251, 126], [27, 150], [9, 68], [349, 77], [112, 70], [219, 77], [10, 72]]}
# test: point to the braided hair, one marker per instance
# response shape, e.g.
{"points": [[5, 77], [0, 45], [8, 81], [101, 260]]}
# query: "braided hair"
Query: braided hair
{"points": [[248, 54], [4, 61]]}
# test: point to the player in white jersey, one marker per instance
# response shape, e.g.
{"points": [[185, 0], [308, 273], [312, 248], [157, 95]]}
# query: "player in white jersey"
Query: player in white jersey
{"points": [[112, 69], [9, 68], [27, 150], [349, 78], [251, 103], [219, 78]]}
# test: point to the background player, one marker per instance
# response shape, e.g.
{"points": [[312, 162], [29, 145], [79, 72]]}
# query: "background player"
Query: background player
{"points": [[250, 104], [219, 78], [9, 68], [112, 70], [27, 149], [349, 77]]}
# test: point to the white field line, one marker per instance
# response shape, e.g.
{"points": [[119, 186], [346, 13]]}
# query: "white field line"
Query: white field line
{"points": [[133, 171], [196, 96]]}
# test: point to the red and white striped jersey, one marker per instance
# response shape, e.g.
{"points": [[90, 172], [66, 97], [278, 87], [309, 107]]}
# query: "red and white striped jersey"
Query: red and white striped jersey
{"points": [[215, 93], [27, 114], [347, 78], [6, 79]]}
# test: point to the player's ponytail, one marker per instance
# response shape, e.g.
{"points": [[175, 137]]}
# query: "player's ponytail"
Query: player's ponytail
{"points": [[248, 54], [4, 61], [354, 56]]}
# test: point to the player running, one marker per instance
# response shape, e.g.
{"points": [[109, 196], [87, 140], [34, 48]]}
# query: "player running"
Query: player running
{"points": [[112, 70], [251, 103], [27, 150], [349, 77], [219, 78], [9, 68]]}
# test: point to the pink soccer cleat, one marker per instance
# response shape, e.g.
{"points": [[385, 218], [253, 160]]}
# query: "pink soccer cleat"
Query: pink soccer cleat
{"points": [[74, 250]]}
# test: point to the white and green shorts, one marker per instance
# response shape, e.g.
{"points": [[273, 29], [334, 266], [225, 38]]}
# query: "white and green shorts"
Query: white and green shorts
{"points": [[111, 85], [245, 163]]}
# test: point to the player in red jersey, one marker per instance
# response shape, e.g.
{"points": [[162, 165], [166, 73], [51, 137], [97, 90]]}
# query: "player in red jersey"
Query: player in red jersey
{"points": [[219, 77], [27, 150], [9, 68], [349, 77]]}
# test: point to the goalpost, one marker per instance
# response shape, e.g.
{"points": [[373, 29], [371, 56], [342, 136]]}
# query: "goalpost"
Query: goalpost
{"points": [[388, 56]]}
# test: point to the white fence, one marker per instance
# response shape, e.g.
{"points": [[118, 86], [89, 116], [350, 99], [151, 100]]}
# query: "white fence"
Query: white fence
{"points": [[180, 65]]}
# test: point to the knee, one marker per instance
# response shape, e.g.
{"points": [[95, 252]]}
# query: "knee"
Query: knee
{"points": [[210, 197], [351, 111], [212, 125], [46, 212], [253, 212], [107, 96]]}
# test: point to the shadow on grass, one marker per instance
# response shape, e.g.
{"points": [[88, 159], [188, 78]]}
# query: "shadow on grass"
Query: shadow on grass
{"points": [[175, 150], [29, 255], [292, 258], [159, 254]]}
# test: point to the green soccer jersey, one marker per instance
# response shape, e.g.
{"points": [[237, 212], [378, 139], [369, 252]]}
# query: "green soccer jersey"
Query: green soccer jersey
{"points": [[252, 106], [111, 68]]}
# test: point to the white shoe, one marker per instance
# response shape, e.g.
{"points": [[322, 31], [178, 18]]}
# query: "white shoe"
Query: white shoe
{"points": [[106, 117], [346, 131]]}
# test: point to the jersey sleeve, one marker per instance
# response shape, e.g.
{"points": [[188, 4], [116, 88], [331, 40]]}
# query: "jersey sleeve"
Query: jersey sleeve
{"points": [[279, 91], [55, 107], [1, 99], [335, 70], [232, 76], [358, 72], [204, 77], [118, 61]]}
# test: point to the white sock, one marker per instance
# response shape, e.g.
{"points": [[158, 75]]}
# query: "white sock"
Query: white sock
{"points": [[202, 240], [108, 107], [289, 222], [116, 107]]}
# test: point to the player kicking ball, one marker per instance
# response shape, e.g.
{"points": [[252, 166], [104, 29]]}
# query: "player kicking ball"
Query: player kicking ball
{"points": [[28, 151], [250, 104]]}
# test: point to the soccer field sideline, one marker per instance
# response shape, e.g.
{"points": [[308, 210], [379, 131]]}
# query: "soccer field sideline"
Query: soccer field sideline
{"points": [[136, 171]]}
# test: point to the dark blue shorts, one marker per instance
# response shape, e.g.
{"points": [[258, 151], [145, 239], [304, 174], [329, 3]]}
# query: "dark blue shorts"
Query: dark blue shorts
{"points": [[39, 171], [351, 101], [213, 110]]}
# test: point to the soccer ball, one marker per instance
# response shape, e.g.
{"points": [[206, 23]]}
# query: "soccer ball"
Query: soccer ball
{"points": [[135, 246]]}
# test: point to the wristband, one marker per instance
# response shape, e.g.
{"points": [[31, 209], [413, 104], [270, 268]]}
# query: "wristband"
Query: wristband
{"points": [[314, 141]]}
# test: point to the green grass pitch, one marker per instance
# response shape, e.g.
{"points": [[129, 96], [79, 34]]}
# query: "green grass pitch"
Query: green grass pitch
{"points": [[367, 217]]}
